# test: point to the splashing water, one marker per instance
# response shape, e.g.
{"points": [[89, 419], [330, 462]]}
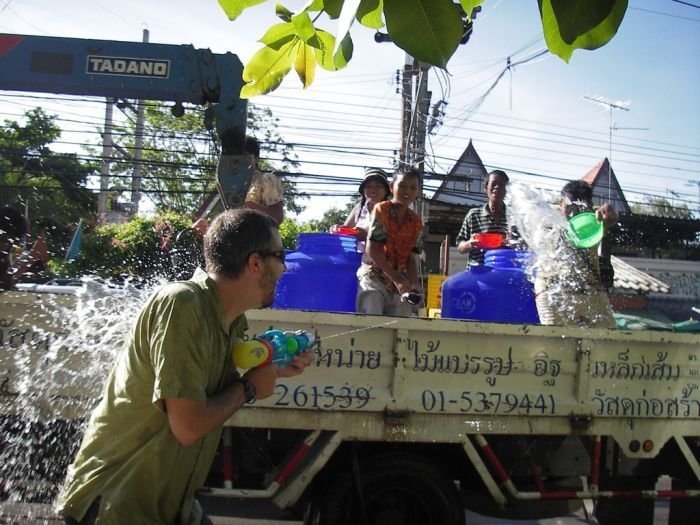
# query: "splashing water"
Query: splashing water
{"points": [[56, 350], [539, 223], [363, 329], [541, 226]]}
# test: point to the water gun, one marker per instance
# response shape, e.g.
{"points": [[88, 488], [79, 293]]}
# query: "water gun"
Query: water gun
{"points": [[273, 346]]}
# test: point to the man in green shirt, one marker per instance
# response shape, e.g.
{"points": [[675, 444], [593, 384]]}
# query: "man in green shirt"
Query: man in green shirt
{"points": [[152, 437]]}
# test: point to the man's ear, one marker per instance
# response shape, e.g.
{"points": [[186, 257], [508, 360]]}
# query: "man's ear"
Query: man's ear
{"points": [[255, 263]]}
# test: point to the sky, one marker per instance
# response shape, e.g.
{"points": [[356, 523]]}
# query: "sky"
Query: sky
{"points": [[536, 122]]}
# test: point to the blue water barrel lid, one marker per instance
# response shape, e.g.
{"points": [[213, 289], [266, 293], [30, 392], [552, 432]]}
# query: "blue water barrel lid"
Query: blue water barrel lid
{"points": [[325, 243]]}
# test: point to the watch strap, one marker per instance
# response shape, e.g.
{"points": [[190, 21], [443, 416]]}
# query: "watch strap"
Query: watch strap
{"points": [[248, 389]]}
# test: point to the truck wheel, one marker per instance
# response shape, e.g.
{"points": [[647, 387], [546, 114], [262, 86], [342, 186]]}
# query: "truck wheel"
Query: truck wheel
{"points": [[397, 490]]}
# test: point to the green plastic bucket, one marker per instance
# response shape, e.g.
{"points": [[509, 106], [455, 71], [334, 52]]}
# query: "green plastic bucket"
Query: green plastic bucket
{"points": [[584, 230]]}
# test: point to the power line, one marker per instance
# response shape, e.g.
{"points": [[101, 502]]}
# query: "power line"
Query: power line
{"points": [[686, 3], [345, 119], [664, 14]]}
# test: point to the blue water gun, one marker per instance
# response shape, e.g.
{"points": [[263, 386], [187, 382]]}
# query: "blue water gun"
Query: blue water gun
{"points": [[273, 346]]}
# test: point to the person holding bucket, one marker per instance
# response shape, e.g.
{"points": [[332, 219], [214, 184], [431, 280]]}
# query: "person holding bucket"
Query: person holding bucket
{"points": [[388, 277], [486, 228], [373, 189], [573, 291]]}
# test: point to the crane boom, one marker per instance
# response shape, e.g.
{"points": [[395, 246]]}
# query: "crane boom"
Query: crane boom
{"points": [[147, 71]]}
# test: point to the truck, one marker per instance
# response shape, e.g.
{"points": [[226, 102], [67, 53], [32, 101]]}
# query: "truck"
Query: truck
{"points": [[398, 421]]}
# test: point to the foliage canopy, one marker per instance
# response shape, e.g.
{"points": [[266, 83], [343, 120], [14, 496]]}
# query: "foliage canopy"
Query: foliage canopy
{"points": [[428, 30], [50, 186]]}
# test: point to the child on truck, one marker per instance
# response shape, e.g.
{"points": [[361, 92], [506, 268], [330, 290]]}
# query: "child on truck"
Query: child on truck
{"points": [[393, 245], [571, 291]]}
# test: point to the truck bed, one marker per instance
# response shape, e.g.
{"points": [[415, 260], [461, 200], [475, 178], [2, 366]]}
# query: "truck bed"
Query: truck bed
{"points": [[513, 415], [389, 379]]}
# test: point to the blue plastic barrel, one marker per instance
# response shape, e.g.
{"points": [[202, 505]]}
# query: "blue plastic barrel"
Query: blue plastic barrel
{"points": [[321, 274], [499, 291]]}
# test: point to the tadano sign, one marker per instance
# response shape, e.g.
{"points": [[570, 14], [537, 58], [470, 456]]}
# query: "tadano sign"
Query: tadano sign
{"points": [[139, 67]]}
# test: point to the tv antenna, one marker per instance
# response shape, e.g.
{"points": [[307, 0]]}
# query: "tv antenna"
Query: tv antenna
{"points": [[610, 105]]}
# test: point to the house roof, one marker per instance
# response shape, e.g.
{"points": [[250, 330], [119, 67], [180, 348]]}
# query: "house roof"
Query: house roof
{"points": [[605, 190], [592, 176], [627, 277], [456, 187]]}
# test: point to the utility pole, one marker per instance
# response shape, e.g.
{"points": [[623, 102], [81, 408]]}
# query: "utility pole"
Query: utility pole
{"points": [[414, 120], [138, 151], [407, 105], [416, 103], [106, 160], [422, 108]]}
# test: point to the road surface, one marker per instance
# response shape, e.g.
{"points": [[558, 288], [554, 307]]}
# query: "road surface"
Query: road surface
{"points": [[23, 514]]}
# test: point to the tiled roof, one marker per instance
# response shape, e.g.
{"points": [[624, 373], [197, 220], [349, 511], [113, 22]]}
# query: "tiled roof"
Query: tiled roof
{"points": [[628, 277], [594, 172]]}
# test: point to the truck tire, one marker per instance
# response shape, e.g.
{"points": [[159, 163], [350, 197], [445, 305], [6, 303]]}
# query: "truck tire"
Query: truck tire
{"points": [[389, 490]]}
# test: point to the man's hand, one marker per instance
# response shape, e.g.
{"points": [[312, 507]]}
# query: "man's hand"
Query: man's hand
{"points": [[403, 284], [264, 378], [607, 215], [297, 365]]}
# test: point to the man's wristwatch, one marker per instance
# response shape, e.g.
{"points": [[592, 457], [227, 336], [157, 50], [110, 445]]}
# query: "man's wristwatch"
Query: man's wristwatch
{"points": [[248, 389]]}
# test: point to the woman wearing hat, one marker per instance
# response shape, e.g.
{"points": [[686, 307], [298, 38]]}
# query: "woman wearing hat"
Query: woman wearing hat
{"points": [[373, 189]]}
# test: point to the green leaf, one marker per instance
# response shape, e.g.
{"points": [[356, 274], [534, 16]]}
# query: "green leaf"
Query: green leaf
{"points": [[324, 50], [312, 5], [268, 67], [579, 24], [369, 14], [323, 45], [278, 35], [469, 5], [332, 8], [428, 30], [344, 53], [233, 8], [304, 26], [347, 15], [305, 64], [283, 13]]}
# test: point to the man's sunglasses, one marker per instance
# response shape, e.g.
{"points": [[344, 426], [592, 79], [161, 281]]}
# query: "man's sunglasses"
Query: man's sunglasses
{"points": [[278, 254]]}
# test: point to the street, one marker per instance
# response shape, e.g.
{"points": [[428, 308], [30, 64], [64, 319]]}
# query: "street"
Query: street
{"points": [[24, 514]]}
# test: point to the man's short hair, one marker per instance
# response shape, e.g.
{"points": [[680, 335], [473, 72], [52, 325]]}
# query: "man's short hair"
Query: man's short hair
{"points": [[12, 223], [233, 237], [408, 172], [499, 173], [579, 190]]}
